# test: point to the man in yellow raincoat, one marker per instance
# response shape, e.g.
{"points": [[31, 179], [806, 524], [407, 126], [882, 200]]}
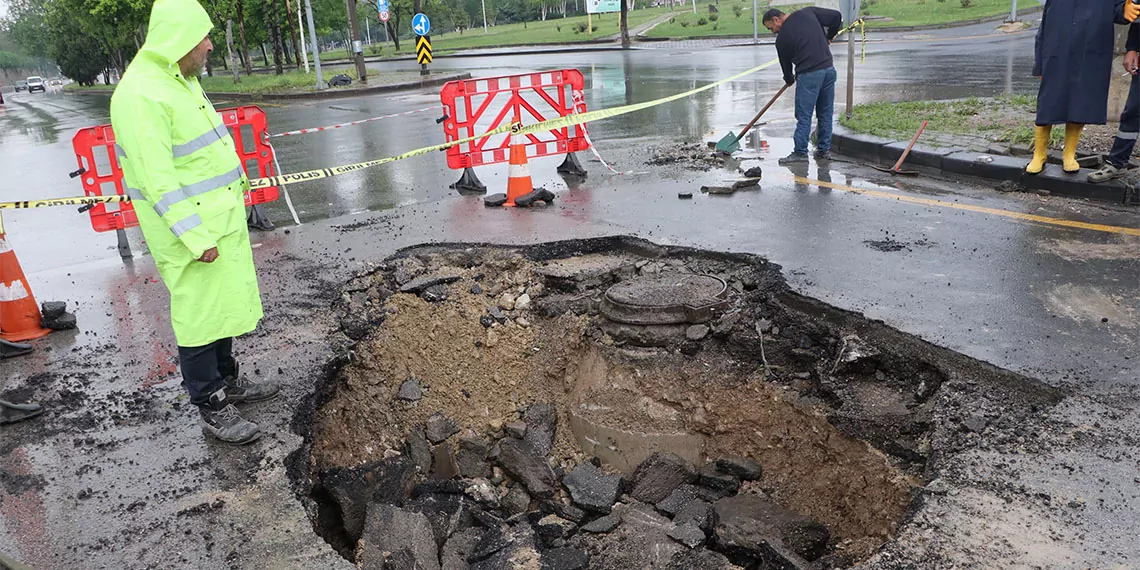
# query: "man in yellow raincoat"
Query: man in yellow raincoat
{"points": [[186, 183]]}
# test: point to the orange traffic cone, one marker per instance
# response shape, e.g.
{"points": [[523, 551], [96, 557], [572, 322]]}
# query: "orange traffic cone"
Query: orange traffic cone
{"points": [[518, 177], [19, 315]]}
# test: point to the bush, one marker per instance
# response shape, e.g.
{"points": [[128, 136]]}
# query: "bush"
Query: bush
{"points": [[580, 27], [713, 17], [702, 22], [737, 10], [967, 3], [712, 9], [684, 24], [558, 28], [595, 28], [715, 26], [672, 20], [374, 50]]}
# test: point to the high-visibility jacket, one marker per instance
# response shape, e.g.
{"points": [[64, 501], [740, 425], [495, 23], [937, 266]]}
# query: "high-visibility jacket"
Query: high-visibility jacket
{"points": [[185, 181]]}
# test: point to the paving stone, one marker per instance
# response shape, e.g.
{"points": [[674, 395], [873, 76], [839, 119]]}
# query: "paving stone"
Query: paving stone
{"points": [[680, 497], [756, 527], [591, 488], [743, 467], [566, 558], [389, 528], [419, 450], [527, 466], [439, 427], [688, 534], [604, 524], [660, 475]]}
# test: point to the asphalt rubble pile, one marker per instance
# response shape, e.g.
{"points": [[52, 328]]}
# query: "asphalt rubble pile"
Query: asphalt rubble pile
{"points": [[877, 413]]}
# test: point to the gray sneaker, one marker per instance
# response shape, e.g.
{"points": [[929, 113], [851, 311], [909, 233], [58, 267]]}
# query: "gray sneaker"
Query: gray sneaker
{"points": [[242, 390], [795, 157], [1106, 173], [222, 420]]}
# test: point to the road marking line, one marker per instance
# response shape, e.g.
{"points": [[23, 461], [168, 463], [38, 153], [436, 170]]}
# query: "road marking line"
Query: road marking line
{"points": [[969, 207]]}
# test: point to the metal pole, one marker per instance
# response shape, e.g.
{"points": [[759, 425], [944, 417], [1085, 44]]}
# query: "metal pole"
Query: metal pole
{"points": [[755, 24], [1013, 12], [484, 2], [694, 6], [354, 34], [301, 29], [850, 73], [313, 39]]}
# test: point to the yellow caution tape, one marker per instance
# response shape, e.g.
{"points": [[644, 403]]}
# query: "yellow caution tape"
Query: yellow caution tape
{"points": [[516, 128]]}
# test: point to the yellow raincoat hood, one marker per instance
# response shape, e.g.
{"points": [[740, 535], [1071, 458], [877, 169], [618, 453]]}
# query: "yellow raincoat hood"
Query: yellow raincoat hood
{"points": [[176, 27]]}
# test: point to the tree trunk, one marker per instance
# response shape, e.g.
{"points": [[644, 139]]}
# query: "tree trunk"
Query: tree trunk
{"points": [[275, 35], [291, 16], [264, 55], [625, 24], [230, 50], [244, 46], [392, 34]]}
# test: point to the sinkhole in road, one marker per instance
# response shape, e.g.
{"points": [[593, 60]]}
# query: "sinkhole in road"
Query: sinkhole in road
{"points": [[612, 403]]}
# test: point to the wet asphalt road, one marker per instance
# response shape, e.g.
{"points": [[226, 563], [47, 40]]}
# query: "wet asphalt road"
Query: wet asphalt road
{"points": [[1032, 297]]}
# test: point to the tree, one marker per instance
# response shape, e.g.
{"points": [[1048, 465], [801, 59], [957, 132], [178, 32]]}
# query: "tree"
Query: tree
{"points": [[625, 24], [80, 56]]}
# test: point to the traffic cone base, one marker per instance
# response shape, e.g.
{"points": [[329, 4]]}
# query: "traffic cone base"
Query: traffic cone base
{"points": [[19, 314]]}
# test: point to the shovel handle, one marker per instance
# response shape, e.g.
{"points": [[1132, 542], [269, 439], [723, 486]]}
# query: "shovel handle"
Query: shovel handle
{"points": [[762, 111], [906, 152]]}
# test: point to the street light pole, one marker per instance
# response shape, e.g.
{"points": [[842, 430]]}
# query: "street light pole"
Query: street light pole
{"points": [[313, 39], [484, 2], [1013, 12], [301, 29], [755, 24]]}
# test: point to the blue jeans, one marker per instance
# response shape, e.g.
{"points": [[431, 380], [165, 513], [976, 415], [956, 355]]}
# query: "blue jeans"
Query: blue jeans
{"points": [[815, 91]]}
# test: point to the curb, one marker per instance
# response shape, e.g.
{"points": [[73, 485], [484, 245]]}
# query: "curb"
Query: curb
{"points": [[957, 162], [324, 94]]}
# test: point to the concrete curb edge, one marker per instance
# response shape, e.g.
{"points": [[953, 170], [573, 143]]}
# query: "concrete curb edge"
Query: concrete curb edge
{"points": [[957, 162]]}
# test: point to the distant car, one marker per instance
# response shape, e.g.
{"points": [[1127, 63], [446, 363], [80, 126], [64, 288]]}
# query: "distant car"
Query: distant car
{"points": [[21, 86], [57, 82], [36, 84]]}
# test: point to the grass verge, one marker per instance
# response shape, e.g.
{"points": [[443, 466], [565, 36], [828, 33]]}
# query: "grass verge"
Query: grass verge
{"points": [[1002, 119], [292, 81]]}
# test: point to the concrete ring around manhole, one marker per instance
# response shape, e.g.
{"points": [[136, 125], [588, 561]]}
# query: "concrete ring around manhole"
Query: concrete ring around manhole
{"points": [[666, 299]]}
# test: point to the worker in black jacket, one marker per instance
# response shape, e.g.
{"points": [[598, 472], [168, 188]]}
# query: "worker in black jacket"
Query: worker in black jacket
{"points": [[1116, 163], [802, 40]]}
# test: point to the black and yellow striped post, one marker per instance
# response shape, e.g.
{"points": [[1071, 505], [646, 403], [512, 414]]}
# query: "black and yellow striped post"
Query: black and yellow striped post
{"points": [[423, 53]]}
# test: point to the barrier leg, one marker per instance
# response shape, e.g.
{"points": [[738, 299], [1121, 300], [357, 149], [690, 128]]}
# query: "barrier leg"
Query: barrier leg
{"points": [[124, 245], [258, 220], [571, 166], [469, 183]]}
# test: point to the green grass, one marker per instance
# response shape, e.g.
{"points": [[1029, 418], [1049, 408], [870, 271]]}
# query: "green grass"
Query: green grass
{"points": [[290, 81], [687, 24], [553, 31], [931, 12], [1006, 119]]}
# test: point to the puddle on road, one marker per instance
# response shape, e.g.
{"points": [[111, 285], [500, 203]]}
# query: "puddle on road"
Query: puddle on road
{"points": [[478, 396]]}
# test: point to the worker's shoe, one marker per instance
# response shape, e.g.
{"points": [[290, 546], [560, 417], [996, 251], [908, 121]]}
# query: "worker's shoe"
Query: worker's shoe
{"points": [[821, 155], [222, 420], [10, 349], [1069, 155], [242, 390], [1040, 149], [11, 413], [1106, 173], [794, 158]]}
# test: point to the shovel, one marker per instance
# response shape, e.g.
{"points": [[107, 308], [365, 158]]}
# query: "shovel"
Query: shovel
{"points": [[731, 143], [898, 165]]}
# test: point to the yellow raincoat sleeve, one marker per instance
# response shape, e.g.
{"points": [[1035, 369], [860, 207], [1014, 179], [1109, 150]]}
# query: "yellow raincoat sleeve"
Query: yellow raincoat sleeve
{"points": [[148, 145]]}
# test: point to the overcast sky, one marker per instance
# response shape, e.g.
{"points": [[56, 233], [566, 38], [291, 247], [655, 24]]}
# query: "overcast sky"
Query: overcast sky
{"points": [[3, 8]]}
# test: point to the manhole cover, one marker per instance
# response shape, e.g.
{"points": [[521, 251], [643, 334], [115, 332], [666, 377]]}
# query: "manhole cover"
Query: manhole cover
{"points": [[665, 300]]}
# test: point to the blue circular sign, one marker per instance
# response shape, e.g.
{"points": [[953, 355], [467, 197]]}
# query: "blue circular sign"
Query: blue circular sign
{"points": [[421, 25]]}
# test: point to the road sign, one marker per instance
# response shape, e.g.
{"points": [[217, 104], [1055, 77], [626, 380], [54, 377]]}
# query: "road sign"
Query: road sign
{"points": [[423, 49], [602, 6], [381, 5], [421, 25], [384, 15]]}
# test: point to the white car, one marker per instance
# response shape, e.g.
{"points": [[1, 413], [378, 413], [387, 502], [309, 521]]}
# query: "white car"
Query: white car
{"points": [[36, 83]]}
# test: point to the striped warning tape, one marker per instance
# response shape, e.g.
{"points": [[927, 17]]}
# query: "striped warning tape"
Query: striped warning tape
{"points": [[349, 124], [515, 129]]}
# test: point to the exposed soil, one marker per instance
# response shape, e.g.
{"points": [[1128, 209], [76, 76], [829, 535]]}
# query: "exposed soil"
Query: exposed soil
{"points": [[844, 414]]}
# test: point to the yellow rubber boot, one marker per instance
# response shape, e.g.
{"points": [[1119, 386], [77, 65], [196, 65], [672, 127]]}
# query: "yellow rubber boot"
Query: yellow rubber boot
{"points": [[1040, 150], [1069, 156]]}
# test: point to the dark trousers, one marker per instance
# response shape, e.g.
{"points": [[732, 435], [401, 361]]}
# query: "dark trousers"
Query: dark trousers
{"points": [[204, 367], [1129, 127]]}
